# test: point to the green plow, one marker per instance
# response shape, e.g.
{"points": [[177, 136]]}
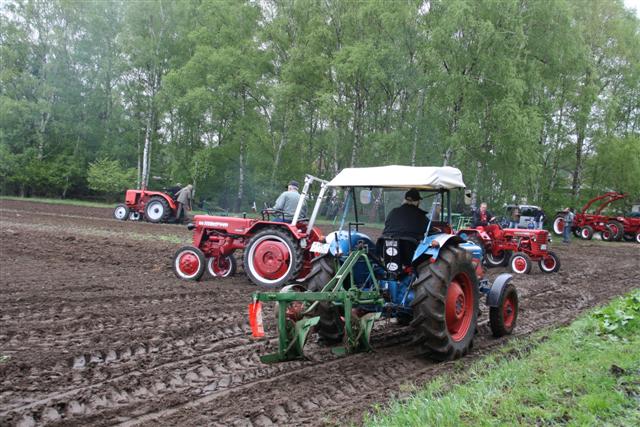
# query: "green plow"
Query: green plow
{"points": [[296, 318]]}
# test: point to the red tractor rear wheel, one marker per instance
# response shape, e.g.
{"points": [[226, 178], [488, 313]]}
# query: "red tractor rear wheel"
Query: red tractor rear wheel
{"points": [[157, 210], [550, 263], [224, 266], [558, 225], [498, 260], [445, 307], [189, 263], [520, 263], [586, 232], [502, 319], [272, 257]]}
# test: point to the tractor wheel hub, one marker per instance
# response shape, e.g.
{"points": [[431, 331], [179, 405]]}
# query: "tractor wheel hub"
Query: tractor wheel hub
{"points": [[271, 259]]}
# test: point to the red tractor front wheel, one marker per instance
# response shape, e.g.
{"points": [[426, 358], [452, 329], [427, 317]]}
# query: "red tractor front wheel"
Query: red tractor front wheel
{"points": [[224, 266], [189, 263], [502, 319], [550, 263], [121, 212], [520, 263], [586, 232]]}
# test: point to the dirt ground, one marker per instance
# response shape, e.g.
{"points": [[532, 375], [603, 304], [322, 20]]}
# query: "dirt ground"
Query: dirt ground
{"points": [[96, 329]]}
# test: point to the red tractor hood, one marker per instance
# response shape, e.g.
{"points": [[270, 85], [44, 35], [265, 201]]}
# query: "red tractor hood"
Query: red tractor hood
{"points": [[229, 224]]}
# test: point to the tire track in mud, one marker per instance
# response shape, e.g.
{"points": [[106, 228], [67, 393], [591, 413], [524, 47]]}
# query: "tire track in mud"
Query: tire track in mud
{"points": [[167, 352]]}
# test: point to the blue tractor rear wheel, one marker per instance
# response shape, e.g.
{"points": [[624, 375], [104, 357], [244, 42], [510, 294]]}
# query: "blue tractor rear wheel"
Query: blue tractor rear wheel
{"points": [[446, 303]]}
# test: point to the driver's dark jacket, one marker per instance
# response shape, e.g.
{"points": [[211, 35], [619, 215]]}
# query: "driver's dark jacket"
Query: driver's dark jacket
{"points": [[406, 221], [477, 221]]}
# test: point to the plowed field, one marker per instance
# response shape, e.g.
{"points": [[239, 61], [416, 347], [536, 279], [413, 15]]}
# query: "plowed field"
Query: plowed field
{"points": [[95, 329]]}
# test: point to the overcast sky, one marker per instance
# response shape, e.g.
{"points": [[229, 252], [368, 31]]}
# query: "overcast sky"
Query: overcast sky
{"points": [[633, 4]]}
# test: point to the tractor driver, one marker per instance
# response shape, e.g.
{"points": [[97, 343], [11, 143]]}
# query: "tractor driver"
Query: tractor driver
{"points": [[287, 203], [407, 220], [482, 217]]}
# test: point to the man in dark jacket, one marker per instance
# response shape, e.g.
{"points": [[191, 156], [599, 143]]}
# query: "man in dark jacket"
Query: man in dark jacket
{"points": [[482, 216], [184, 198], [407, 220]]}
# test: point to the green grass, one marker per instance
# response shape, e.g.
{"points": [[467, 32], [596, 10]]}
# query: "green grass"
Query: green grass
{"points": [[585, 374], [73, 202]]}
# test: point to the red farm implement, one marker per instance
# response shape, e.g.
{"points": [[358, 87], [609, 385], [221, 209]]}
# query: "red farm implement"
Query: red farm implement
{"points": [[275, 252], [517, 248], [153, 206], [586, 224]]}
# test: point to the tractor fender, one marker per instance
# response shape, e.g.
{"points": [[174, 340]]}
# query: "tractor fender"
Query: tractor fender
{"points": [[501, 282], [427, 249]]}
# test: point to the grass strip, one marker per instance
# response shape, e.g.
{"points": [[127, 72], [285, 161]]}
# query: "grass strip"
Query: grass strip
{"points": [[72, 202], [585, 374]]}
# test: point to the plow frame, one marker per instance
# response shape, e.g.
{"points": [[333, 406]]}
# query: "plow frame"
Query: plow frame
{"points": [[292, 333]]}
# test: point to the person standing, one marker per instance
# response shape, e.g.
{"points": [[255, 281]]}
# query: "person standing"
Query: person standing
{"points": [[184, 197], [515, 217], [539, 218], [568, 223], [287, 203]]}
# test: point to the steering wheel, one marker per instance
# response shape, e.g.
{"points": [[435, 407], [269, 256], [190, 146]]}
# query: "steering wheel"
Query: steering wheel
{"points": [[270, 211]]}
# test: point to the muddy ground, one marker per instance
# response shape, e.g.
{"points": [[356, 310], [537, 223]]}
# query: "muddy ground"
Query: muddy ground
{"points": [[96, 329]]}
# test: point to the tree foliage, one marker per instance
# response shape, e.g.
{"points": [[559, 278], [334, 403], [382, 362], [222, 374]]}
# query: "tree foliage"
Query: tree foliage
{"points": [[532, 99]]}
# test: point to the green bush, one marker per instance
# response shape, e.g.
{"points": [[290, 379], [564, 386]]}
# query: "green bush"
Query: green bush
{"points": [[109, 177]]}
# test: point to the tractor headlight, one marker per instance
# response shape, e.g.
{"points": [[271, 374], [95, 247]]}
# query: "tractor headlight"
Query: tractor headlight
{"points": [[191, 226]]}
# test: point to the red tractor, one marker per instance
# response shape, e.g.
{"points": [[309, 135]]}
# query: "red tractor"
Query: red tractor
{"points": [[275, 252], [517, 248], [586, 224], [631, 228], [153, 206]]}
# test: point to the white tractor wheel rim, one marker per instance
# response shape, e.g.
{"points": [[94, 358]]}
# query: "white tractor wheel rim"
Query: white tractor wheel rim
{"points": [[134, 216], [585, 233], [544, 266], [252, 252], [121, 212], [210, 262], [179, 270], [495, 260], [515, 268], [638, 237], [155, 210], [556, 225]]}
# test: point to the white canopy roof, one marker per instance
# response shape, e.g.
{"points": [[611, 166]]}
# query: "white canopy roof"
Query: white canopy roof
{"points": [[424, 177]]}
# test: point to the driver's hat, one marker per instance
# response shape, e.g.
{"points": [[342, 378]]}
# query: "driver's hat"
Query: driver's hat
{"points": [[294, 183], [412, 195]]}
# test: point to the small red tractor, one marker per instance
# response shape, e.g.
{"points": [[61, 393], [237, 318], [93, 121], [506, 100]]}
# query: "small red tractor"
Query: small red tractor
{"points": [[585, 224], [517, 248], [275, 251], [153, 206], [631, 228]]}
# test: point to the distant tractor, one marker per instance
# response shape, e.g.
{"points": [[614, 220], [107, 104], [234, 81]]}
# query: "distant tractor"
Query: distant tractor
{"points": [[275, 251], [152, 206], [433, 285], [585, 224], [516, 248]]}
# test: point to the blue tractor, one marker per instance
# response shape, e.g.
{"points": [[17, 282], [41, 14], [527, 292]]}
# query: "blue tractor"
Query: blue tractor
{"points": [[434, 284]]}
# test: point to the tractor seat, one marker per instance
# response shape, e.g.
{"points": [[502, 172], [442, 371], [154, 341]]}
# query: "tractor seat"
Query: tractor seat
{"points": [[396, 252]]}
